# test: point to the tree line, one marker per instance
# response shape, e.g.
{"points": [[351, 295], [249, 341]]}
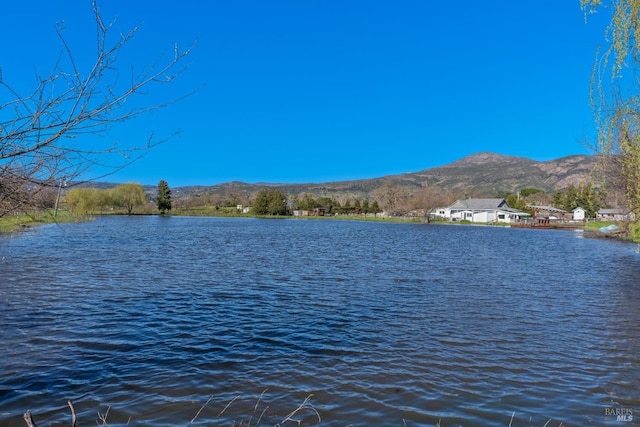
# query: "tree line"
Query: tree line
{"points": [[273, 201], [42, 142], [395, 200], [585, 195], [127, 197]]}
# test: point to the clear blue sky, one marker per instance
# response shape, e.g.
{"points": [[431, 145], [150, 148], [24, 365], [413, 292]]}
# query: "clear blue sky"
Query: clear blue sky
{"points": [[316, 91]]}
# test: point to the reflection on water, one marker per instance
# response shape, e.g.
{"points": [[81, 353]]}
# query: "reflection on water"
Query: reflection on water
{"points": [[379, 322]]}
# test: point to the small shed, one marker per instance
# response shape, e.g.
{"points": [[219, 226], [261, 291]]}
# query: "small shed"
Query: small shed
{"points": [[579, 214]]}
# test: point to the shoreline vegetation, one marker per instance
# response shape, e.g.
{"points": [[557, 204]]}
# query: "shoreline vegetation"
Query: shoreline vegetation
{"points": [[15, 223], [271, 202], [304, 414], [24, 221]]}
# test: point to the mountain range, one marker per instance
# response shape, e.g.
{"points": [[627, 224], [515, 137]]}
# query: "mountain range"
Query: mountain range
{"points": [[481, 174]]}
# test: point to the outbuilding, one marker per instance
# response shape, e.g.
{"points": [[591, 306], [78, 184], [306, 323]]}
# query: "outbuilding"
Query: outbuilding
{"points": [[579, 214]]}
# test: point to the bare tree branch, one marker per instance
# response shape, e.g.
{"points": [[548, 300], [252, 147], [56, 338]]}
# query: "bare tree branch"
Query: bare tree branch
{"points": [[43, 133]]}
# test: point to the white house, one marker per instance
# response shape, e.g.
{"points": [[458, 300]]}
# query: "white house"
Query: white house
{"points": [[579, 214], [480, 210]]}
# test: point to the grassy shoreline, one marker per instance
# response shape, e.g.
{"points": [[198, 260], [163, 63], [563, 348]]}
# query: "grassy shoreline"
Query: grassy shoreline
{"points": [[16, 223]]}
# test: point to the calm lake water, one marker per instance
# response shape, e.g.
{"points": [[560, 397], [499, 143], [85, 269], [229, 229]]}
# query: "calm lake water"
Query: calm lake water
{"points": [[377, 323]]}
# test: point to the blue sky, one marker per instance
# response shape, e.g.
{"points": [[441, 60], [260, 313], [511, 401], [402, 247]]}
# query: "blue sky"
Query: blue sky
{"points": [[317, 91]]}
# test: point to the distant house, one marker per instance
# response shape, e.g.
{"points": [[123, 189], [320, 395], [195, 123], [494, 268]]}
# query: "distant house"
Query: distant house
{"points": [[439, 212], [549, 212], [314, 212], [480, 210], [579, 214], [615, 215]]}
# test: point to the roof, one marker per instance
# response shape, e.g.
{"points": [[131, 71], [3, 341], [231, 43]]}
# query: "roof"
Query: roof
{"points": [[545, 208], [479, 204], [515, 211], [614, 211]]}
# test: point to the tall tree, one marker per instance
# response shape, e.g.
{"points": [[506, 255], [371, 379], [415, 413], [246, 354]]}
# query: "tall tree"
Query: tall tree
{"points": [[346, 207], [128, 196], [375, 208], [616, 94], [43, 129], [393, 198], [516, 201], [87, 200], [430, 197], [270, 201], [306, 202], [584, 196], [589, 199], [365, 206], [356, 206], [163, 199]]}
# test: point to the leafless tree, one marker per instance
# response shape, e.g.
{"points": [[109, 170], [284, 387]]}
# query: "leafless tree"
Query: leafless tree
{"points": [[430, 197], [392, 198], [44, 133]]}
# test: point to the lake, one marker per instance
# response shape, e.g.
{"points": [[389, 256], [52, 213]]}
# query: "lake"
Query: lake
{"points": [[237, 321]]}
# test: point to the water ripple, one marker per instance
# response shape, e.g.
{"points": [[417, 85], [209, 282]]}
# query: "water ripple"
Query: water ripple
{"points": [[380, 322]]}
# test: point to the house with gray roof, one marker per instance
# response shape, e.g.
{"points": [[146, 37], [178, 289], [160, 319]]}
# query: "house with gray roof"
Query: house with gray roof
{"points": [[615, 214], [480, 210]]}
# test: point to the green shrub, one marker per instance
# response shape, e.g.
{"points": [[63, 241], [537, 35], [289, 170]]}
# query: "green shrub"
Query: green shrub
{"points": [[634, 231]]}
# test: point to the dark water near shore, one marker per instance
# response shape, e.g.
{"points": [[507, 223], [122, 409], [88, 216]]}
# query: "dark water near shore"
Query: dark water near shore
{"points": [[384, 324]]}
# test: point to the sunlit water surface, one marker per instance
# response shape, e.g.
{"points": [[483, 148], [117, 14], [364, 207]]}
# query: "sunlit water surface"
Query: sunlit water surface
{"points": [[375, 323]]}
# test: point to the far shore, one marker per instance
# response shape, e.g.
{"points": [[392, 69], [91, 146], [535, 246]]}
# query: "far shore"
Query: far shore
{"points": [[12, 224]]}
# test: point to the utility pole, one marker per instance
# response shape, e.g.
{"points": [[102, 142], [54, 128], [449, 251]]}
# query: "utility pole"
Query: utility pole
{"points": [[62, 183]]}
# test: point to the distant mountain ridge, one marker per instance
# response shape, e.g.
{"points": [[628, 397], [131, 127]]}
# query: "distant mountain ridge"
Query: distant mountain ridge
{"points": [[490, 173], [483, 174]]}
